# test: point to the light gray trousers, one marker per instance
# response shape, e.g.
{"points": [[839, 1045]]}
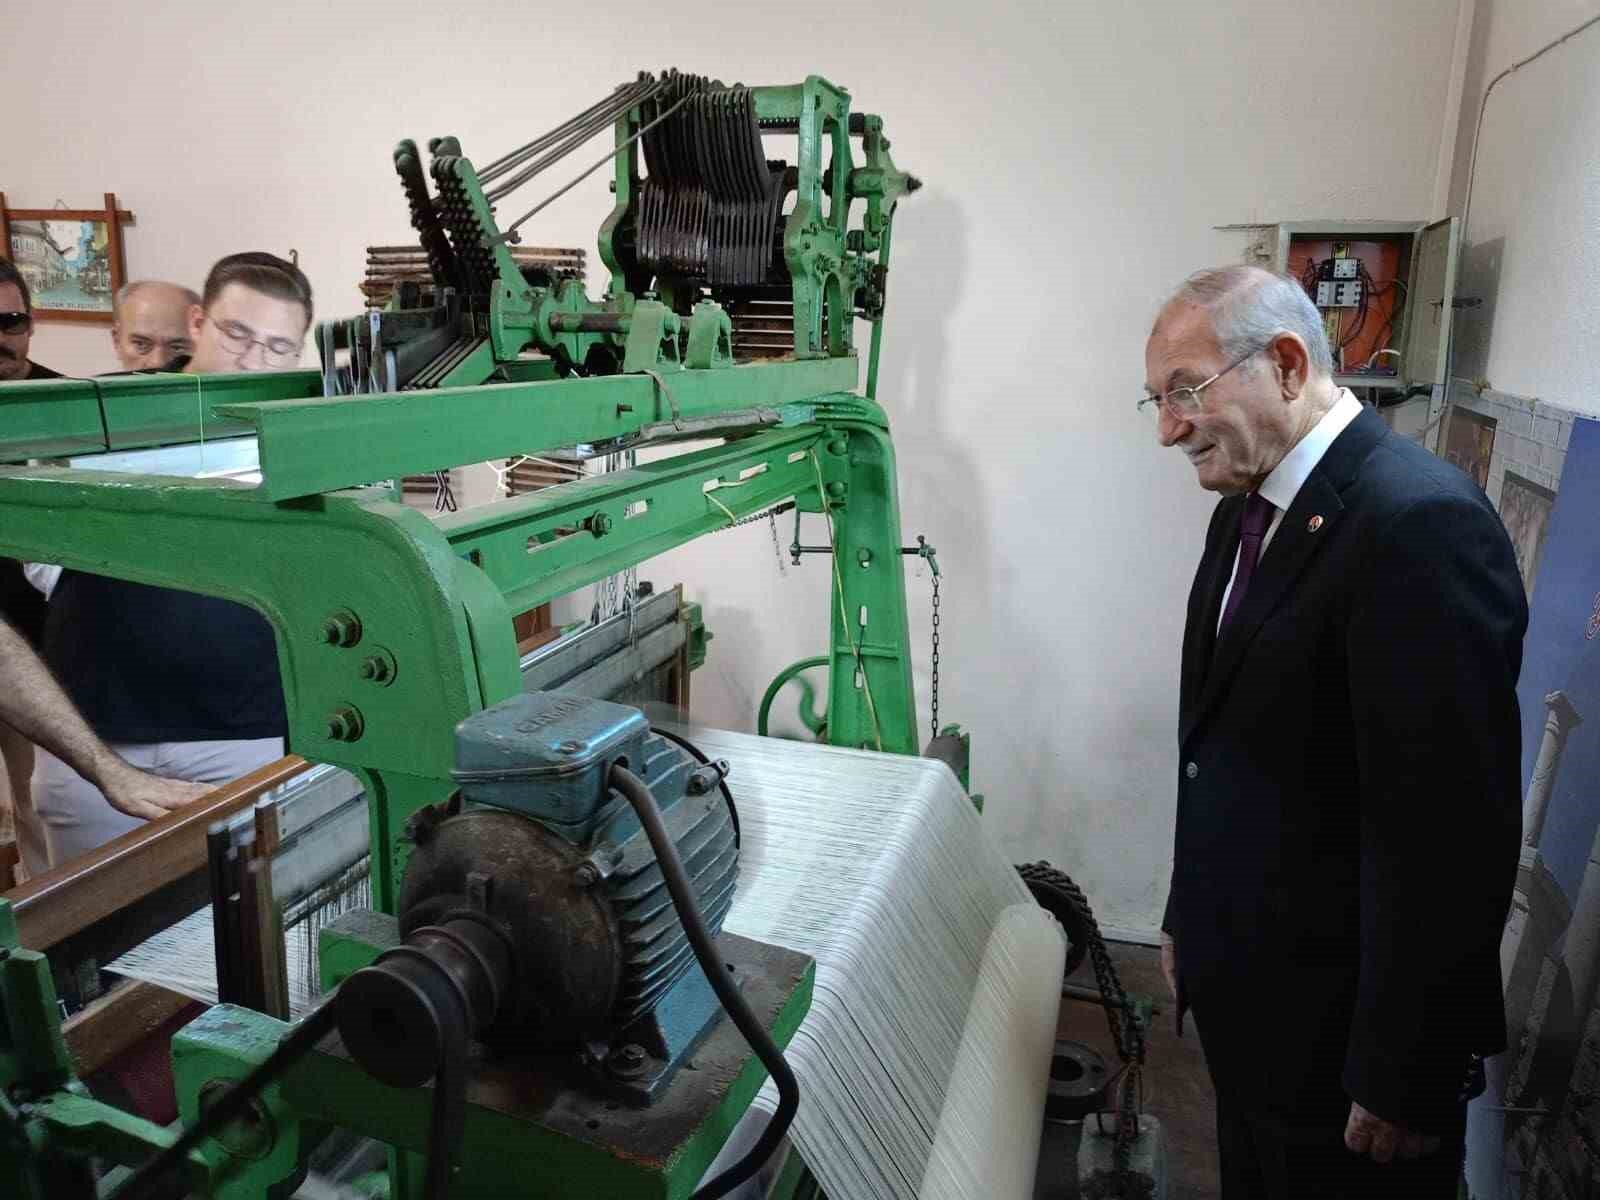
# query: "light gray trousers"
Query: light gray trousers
{"points": [[74, 817]]}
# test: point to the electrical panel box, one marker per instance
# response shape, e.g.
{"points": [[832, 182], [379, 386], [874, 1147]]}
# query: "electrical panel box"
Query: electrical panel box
{"points": [[1386, 292]]}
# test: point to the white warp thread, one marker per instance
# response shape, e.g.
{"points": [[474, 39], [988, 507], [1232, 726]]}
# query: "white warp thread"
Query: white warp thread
{"points": [[876, 865], [988, 1138]]}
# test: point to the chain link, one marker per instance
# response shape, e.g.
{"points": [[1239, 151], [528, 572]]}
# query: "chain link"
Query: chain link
{"points": [[935, 688], [777, 550], [1127, 1034]]}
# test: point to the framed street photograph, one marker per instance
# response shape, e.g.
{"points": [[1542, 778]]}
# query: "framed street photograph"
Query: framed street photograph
{"points": [[1525, 508], [71, 258], [1469, 443]]}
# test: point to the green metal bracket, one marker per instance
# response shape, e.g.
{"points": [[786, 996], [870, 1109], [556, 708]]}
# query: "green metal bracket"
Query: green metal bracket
{"points": [[547, 543], [710, 338], [315, 446], [60, 418], [699, 637], [652, 339], [33, 1053]]}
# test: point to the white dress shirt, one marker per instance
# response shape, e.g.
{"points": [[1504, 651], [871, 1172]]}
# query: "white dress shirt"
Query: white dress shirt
{"points": [[1281, 487]]}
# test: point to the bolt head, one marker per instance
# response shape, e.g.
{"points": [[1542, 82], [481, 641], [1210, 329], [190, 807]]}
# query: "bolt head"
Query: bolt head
{"points": [[571, 746], [628, 1060], [344, 725]]}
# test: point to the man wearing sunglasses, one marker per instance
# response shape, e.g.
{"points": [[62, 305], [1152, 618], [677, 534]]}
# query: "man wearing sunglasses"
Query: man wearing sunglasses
{"points": [[1349, 760], [178, 684], [16, 328], [20, 604]]}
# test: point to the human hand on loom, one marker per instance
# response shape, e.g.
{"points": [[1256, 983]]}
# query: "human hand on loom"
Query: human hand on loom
{"points": [[1370, 1135], [139, 794]]}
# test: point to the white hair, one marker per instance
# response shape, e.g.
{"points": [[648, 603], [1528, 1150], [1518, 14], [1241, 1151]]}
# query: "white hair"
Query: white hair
{"points": [[1249, 307]]}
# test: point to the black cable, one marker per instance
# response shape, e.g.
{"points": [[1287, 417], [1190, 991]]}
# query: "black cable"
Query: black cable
{"points": [[638, 794], [233, 1103], [722, 780], [105, 424]]}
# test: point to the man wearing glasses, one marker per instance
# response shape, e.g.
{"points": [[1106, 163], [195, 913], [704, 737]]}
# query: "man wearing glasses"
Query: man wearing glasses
{"points": [[16, 328], [19, 603], [178, 684], [1349, 760]]}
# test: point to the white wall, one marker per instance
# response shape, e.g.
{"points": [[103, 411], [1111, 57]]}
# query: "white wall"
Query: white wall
{"points": [[1531, 251], [1077, 157]]}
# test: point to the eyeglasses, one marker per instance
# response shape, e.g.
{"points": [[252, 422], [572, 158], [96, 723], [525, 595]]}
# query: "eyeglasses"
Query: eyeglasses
{"points": [[275, 352], [1184, 402], [15, 322]]}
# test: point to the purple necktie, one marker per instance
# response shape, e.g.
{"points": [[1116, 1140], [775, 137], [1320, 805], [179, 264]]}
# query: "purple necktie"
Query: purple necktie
{"points": [[1257, 516]]}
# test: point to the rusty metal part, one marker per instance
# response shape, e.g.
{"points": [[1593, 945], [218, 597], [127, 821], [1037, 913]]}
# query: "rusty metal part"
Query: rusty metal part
{"points": [[72, 897], [570, 951], [555, 1092], [1078, 1081], [390, 267], [393, 1015]]}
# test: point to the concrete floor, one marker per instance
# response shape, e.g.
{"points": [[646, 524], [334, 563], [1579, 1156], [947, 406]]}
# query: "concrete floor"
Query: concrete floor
{"points": [[1177, 1088]]}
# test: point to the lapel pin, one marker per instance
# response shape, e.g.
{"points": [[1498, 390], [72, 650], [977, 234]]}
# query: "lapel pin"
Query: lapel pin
{"points": [[1314, 524]]}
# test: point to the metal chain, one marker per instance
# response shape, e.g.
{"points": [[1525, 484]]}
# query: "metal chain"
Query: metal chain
{"points": [[1127, 1034], [777, 550], [765, 514], [935, 652], [771, 517]]}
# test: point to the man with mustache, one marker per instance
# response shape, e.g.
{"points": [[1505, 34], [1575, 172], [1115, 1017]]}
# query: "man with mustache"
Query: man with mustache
{"points": [[20, 604], [16, 328], [150, 329]]}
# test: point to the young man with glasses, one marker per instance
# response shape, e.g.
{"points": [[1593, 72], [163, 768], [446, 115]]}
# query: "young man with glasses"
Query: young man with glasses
{"points": [[1349, 761], [179, 684], [253, 316]]}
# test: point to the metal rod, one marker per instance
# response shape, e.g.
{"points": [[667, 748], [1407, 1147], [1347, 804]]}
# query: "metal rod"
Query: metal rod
{"points": [[590, 322], [1472, 165], [549, 200], [636, 92]]}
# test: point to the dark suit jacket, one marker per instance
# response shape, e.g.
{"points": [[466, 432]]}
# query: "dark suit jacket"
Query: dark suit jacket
{"points": [[1348, 809]]}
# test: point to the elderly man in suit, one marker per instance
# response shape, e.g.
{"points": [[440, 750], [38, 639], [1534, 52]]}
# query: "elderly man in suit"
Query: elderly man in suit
{"points": [[1347, 824]]}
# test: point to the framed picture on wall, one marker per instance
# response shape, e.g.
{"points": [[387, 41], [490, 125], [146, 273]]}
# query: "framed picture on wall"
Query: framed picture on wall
{"points": [[71, 258], [1525, 508], [1469, 443]]}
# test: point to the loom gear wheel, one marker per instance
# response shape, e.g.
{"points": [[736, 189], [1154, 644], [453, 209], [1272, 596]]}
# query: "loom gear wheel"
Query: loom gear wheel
{"points": [[1064, 900]]}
